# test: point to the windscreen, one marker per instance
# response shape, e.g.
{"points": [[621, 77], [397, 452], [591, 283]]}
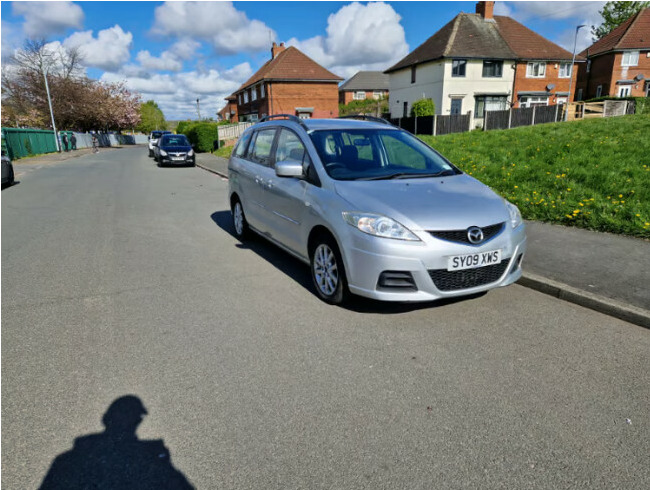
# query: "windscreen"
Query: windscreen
{"points": [[376, 154], [175, 140]]}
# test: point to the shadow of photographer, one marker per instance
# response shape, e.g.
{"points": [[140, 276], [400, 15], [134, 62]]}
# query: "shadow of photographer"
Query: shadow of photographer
{"points": [[116, 458]]}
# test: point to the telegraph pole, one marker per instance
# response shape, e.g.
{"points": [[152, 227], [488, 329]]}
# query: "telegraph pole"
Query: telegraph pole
{"points": [[198, 109], [49, 101]]}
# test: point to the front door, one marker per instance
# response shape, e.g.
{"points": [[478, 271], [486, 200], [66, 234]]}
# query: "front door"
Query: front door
{"points": [[456, 106]]}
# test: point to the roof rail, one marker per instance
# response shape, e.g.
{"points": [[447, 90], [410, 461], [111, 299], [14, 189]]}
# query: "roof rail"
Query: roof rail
{"points": [[367, 118], [291, 117]]}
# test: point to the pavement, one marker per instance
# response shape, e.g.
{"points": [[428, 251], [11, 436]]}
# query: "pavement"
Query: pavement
{"points": [[601, 271]]}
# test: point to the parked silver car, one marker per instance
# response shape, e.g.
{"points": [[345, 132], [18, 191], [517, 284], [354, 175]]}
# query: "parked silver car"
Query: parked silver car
{"points": [[373, 210]]}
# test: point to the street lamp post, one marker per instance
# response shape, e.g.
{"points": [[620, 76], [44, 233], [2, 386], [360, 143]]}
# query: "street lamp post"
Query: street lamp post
{"points": [[568, 100], [49, 101]]}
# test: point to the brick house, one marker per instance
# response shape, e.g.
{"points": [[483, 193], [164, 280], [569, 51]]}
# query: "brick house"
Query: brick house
{"points": [[229, 112], [364, 85], [480, 62], [618, 65], [289, 83]]}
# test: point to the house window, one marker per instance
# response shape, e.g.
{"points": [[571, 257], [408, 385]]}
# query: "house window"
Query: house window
{"points": [[588, 66], [359, 95], [647, 89], [458, 68], [599, 90], [630, 58], [377, 95], [536, 69], [623, 91], [406, 109], [561, 100], [492, 68], [262, 94], [532, 101], [254, 93], [413, 74], [565, 70], [240, 102], [579, 97], [489, 103], [246, 97]]}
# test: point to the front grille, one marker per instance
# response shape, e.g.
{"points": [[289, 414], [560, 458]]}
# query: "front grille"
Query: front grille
{"points": [[460, 236], [446, 280]]}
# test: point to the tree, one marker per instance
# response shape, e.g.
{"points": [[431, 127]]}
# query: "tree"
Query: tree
{"points": [[423, 107], [78, 102], [614, 14], [151, 117]]}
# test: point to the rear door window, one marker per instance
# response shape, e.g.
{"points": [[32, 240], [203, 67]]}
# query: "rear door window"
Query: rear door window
{"points": [[261, 147]]}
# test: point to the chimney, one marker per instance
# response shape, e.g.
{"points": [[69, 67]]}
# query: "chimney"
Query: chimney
{"points": [[485, 9], [276, 50]]}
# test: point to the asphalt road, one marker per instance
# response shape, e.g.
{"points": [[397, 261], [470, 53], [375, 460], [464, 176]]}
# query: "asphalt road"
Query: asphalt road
{"points": [[121, 278]]}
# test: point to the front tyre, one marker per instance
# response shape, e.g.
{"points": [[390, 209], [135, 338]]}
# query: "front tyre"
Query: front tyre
{"points": [[328, 272], [242, 231]]}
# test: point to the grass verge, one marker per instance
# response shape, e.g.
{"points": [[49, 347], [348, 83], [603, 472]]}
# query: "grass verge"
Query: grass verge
{"points": [[593, 174]]}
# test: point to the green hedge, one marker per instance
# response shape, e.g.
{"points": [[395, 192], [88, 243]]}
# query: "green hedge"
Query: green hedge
{"points": [[201, 134]]}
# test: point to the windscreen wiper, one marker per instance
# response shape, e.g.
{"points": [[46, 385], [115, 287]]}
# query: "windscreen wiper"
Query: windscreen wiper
{"points": [[410, 175]]}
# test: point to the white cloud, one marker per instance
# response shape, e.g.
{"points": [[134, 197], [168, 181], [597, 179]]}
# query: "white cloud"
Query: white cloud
{"points": [[166, 61], [9, 40], [108, 51], [176, 93], [43, 19], [359, 37], [184, 49], [523, 11], [227, 29]]}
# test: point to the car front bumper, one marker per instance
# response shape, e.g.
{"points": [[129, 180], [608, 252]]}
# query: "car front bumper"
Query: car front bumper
{"points": [[172, 161], [367, 257]]}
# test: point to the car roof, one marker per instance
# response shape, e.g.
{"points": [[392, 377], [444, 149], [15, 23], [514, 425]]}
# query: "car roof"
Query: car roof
{"points": [[322, 124]]}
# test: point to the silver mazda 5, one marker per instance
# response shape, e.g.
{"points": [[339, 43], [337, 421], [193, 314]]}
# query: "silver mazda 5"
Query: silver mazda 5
{"points": [[373, 210]]}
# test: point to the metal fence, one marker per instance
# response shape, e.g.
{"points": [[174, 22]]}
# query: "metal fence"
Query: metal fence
{"points": [[434, 125], [20, 142]]}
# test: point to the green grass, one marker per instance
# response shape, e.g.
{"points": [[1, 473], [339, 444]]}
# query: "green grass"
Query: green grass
{"points": [[593, 174], [223, 152]]}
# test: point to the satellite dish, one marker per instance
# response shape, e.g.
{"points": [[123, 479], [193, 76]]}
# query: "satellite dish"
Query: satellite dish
{"points": [[639, 77], [550, 87]]}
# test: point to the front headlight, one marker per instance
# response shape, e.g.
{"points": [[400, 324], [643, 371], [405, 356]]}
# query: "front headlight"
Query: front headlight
{"points": [[515, 215], [378, 225], [190, 153], [163, 153]]}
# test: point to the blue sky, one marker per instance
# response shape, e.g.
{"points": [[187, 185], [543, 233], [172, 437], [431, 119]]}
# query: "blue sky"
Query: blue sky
{"points": [[176, 52]]}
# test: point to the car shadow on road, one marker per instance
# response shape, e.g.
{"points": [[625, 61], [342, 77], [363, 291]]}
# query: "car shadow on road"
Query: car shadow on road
{"points": [[299, 272], [116, 458]]}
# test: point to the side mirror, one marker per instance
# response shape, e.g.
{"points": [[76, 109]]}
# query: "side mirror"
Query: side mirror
{"points": [[289, 168]]}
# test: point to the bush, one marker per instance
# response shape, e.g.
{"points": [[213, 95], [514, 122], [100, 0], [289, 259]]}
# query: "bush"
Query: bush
{"points": [[183, 126], [423, 107], [202, 134]]}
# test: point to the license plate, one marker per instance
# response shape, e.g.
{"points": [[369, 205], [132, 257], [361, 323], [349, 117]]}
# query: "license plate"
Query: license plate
{"points": [[472, 261], [178, 159]]}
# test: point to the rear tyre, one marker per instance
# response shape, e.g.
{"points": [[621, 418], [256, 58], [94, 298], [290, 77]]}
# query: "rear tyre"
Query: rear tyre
{"points": [[242, 231], [11, 177], [150, 153], [328, 272]]}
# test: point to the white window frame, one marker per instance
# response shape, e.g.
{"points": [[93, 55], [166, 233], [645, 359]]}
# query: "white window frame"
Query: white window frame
{"points": [[624, 91], [566, 67], [245, 96], [262, 94], [530, 67], [359, 95], [377, 95], [599, 91], [561, 100], [534, 99], [632, 58], [253, 94]]}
